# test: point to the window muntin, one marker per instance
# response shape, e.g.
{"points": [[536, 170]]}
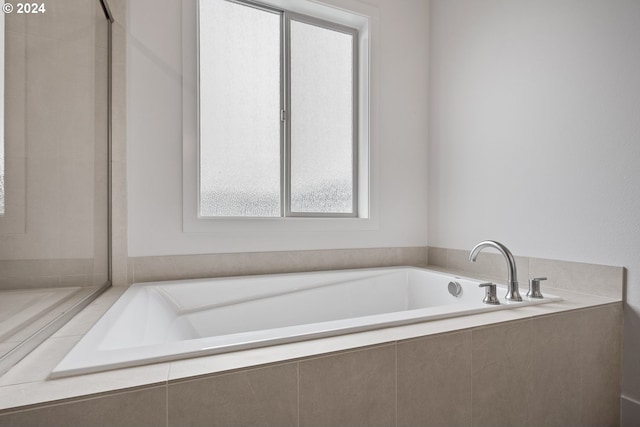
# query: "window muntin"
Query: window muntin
{"points": [[316, 163]]}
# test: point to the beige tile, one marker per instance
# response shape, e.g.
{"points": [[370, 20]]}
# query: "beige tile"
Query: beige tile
{"points": [[349, 389], [39, 363], [146, 407], [6, 346], [434, 381], [99, 279], [502, 374], [629, 412], [101, 26], [80, 280], [15, 23], [118, 91], [131, 273], [63, 20], [119, 254], [24, 268], [437, 256], [149, 269], [601, 280], [362, 258], [15, 47], [262, 263], [30, 393], [264, 396], [29, 282], [218, 265], [84, 320], [555, 394], [203, 266], [414, 256], [59, 74], [118, 9], [600, 353]]}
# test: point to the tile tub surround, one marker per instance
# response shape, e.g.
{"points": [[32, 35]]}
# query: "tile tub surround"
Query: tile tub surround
{"points": [[173, 267], [600, 280], [594, 279], [395, 376]]}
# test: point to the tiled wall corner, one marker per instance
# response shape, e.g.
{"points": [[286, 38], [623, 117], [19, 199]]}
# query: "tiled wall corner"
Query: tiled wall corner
{"points": [[594, 279], [556, 370], [601, 280], [601, 365]]}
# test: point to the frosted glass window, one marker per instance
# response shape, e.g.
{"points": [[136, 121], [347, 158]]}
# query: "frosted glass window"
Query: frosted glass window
{"points": [[240, 103], [321, 114], [277, 113]]}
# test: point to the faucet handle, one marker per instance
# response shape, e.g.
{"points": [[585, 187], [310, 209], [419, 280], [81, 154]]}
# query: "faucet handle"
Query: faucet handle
{"points": [[534, 287], [490, 296]]}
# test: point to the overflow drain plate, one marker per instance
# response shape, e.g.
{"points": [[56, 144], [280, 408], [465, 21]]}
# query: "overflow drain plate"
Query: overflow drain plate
{"points": [[455, 289]]}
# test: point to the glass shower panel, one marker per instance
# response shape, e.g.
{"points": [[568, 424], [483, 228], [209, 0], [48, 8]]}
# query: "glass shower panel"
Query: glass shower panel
{"points": [[54, 231]]}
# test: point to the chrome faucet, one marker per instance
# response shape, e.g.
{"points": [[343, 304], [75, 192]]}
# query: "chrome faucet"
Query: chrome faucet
{"points": [[512, 285]]}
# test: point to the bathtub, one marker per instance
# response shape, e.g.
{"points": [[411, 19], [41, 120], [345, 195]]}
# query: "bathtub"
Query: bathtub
{"points": [[163, 321]]}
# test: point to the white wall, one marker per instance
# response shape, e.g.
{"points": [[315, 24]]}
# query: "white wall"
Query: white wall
{"points": [[154, 135], [535, 135]]}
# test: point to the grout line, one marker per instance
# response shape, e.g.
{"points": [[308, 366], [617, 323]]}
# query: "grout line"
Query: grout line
{"points": [[298, 394], [471, 377], [395, 346], [166, 404]]}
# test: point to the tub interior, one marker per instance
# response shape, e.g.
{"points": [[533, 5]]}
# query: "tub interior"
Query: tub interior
{"points": [[176, 319]]}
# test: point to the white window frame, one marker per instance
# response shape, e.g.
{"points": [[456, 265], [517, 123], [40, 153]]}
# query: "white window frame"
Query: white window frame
{"points": [[345, 12]]}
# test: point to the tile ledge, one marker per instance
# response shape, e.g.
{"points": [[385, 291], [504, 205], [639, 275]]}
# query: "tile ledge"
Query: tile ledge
{"points": [[501, 280]]}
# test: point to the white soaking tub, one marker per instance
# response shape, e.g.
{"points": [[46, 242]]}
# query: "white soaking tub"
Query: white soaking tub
{"points": [[161, 321]]}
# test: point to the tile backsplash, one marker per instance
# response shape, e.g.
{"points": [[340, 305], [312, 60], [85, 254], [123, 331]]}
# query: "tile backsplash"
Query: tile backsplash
{"points": [[601, 280], [594, 279]]}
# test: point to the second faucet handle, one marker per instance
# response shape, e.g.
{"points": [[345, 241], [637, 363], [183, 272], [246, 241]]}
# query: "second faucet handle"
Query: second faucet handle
{"points": [[490, 296], [534, 287]]}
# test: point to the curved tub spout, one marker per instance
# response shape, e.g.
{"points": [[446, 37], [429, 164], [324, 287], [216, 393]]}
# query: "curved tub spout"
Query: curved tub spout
{"points": [[512, 281]]}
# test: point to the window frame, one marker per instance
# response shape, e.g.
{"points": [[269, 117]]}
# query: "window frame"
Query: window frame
{"points": [[227, 230], [353, 32], [286, 16]]}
